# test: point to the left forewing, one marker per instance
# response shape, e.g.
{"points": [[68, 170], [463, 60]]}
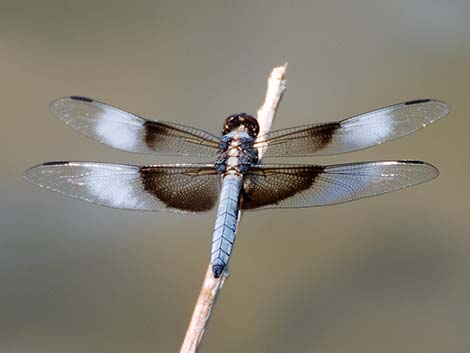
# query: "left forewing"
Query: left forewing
{"points": [[129, 132]]}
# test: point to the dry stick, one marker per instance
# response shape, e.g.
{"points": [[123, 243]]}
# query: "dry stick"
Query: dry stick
{"points": [[211, 286], [265, 115]]}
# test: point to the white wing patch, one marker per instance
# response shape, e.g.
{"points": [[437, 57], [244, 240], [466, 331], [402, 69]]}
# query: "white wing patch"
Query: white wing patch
{"points": [[112, 185], [118, 192], [114, 127], [113, 133], [389, 123], [356, 133]]}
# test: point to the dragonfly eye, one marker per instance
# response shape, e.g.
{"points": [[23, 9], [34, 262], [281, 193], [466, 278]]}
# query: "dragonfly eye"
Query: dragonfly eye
{"points": [[235, 120]]}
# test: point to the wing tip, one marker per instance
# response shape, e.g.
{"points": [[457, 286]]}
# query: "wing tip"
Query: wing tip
{"points": [[29, 174], [445, 107], [432, 172], [54, 104]]}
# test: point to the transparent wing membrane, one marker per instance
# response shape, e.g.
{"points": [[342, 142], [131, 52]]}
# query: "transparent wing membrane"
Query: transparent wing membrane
{"points": [[191, 188]]}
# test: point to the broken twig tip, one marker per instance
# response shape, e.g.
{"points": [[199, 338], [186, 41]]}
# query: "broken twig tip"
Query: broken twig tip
{"points": [[279, 72]]}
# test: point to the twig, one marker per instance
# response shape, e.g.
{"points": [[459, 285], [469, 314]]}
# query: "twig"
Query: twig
{"points": [[267, 112], [211, 286]]}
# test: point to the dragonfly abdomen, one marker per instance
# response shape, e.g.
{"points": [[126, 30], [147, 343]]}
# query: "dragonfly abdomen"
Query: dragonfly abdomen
{"points": [[226, 223]]}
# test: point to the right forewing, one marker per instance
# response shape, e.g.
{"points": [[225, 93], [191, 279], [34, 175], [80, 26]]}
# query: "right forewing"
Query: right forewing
{"points": [[355, 133]]}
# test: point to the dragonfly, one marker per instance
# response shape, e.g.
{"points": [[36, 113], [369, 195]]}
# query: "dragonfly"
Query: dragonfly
{"points": [[236, 180]]}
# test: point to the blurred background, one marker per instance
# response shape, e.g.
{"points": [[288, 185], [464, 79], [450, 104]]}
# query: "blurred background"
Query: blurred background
{"points": [[386, 274]]}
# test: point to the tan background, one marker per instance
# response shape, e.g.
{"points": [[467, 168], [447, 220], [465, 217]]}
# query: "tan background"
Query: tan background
{"points": [[389, 274]]}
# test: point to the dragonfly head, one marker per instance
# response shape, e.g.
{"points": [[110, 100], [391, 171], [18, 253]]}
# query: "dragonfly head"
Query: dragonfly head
{"points": [[236, 121]]}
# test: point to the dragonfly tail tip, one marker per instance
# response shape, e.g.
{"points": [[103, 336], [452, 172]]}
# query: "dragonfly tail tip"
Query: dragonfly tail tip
{"points": [[217, 270]]}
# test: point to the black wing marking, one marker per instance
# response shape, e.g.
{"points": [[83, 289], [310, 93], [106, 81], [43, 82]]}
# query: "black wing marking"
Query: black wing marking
{"points": [[359, 132], [284, 186], [128, 132], [180, 188]]}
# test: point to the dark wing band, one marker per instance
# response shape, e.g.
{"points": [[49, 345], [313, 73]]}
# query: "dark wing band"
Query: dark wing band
{"points": [[354, 133], [128, 132], [180, 188], [285, 186]]}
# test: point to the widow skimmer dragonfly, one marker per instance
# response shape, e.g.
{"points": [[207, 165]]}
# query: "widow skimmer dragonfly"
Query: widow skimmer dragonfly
{"points": [[236, 180]]}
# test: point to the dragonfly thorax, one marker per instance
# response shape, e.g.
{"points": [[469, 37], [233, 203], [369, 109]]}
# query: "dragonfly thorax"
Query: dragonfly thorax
{"points": [[236, 152]]}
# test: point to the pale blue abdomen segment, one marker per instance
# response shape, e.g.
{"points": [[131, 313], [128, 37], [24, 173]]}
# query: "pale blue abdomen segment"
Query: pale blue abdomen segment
{"points": [[226, 223]]}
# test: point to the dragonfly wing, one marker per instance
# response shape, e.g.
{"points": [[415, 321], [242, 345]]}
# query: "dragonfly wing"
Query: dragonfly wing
{"points": [[285, 186], [356, 133], [180, 188], [128, 132]]}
